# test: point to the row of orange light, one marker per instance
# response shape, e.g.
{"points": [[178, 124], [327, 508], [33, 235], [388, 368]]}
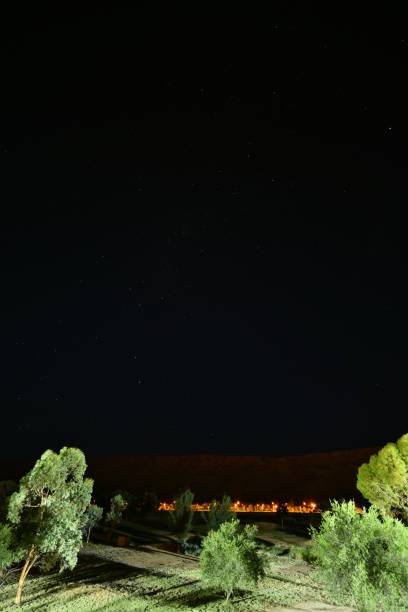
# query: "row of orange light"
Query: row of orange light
{"points": [[241, 507]]}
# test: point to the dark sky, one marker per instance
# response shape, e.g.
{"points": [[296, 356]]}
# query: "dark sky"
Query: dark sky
{"points": [[203, 229]]}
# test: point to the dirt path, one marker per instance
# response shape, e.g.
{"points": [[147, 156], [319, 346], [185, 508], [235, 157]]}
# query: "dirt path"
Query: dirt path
{"points": [[149, 557], [271, 532], [143, 557]]}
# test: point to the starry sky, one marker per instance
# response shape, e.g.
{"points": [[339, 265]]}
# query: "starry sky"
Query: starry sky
{"points": [[202, 233]]}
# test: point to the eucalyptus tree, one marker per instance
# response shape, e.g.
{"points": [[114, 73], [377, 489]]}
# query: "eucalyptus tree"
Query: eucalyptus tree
{"points": [[383, 480], [47, 512]]}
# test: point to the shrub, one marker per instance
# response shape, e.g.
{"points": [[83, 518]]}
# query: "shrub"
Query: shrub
{"points": [[192, 546], [128, 497], [117, 508], [229, 559], [219, 513], [362, 559], [181, 517]]}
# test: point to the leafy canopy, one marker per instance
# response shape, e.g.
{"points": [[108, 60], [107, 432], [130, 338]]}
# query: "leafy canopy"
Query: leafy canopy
{"points": [[384, 479], [230, 559], [117, 508], [181, 517], [91, 518], [8, 554], [219, 512], [362, 559], [48, 508]]}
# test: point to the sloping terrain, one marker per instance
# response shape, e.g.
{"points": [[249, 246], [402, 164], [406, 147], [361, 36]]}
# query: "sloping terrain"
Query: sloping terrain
{"points": [[318, 476]]}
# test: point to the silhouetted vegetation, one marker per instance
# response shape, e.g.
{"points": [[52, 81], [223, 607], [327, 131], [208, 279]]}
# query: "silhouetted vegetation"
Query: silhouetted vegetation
{"points": [[181, 517], [219, 513]]}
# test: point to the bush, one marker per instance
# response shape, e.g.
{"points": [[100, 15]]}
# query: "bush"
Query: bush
{"points": [[118, 506], [192, 546], [219, 513], [230, 559], [181, 517], [362, 559]]}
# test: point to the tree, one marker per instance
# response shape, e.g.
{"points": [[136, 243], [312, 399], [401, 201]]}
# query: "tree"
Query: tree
{"points": [[47, 511], [384, 479], [117, 508], [230, 559], [92, 517], [7, 487], [219, 512], [362, 559], [181, 517], [8, 553], [128, 497]]}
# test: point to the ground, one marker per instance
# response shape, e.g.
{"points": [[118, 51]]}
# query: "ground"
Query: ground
{"points": [[112, 578]]}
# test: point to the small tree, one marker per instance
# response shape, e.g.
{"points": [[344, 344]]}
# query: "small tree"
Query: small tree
{"points": [[117, 508], [181, 517], [362, 559], [219, 513], [47, 511], [92, 518], [229, 559], [129, 497], [384, 479]]}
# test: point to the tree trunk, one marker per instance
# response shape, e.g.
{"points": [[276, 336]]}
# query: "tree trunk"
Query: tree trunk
{"points": [[24, 572]]}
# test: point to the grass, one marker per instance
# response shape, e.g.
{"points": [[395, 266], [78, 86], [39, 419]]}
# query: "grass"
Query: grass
{"points": [[109, 578], [99, 584]]}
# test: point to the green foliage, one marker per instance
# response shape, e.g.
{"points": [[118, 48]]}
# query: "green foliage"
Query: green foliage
{"points": [[47, 510], [117, 508], [384, 479], [8, 553], [130, 498], [181, 517], [7, 487], [92, 517], [362, 559], [220, 512], [230, 558]]}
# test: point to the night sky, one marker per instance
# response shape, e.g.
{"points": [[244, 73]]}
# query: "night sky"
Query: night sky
{"points": [[203, 229]]}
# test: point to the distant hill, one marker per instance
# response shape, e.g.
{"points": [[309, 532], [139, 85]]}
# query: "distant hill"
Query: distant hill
{"points": [[318, 476]]}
